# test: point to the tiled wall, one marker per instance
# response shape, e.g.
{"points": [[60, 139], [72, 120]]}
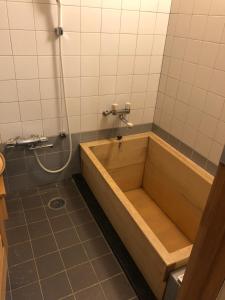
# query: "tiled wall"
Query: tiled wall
{"points": [[112, 52], [191, 98]]}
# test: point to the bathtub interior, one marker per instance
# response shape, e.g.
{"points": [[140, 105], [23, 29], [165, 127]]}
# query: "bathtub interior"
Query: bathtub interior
{"points": [[166, 189]]}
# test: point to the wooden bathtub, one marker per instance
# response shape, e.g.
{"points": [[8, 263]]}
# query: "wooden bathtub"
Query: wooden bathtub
{"points": [[153, 196]]}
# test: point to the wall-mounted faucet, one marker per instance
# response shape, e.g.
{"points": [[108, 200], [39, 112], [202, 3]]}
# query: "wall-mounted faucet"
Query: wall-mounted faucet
{"points": [[121, 113]]}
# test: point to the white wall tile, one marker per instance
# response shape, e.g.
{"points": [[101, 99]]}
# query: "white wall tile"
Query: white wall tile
{"points": [[147, 5], [141, 64], [21, 15], [89, 65], [123, 84], [6, 68], [71, 44], [26, 67], [23, 42], [9, 112], [129, 21], [125, 65], [90, 43], [48, 66], [89, 105], [109, 44], [28, 89], [144, 44], [89, 86], [71, 66], [72, 87], [131, 5], [214, 105], [74, 124], [51, 108], [139, 83], [30, 110], [50, 88], [89, 122], [3, 15], [107, 85], [5, 45], [111, 4], [71, 18], [147, 23], [108, 65], [46, 16], [90, 19], [91, 3], [111, 20], [73, 105], [8, 91], [47, 43], [127, 44]]}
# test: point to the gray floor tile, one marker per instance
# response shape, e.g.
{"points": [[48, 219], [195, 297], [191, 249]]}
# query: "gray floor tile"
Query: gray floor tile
{"points": [[92, 293], [106, 266], [19, 253], [60, 223], [17, 235], [30, 292], [14, 205], [81, 216], [31, 202], [23, 274], [35, 215], [96, 247], [66, 238], [118, 288], [49, 265], [39, 229], [74, 203], [15, 219], [44, 245], [73, 256], [56, 287], [88, 231], [82, 276]]}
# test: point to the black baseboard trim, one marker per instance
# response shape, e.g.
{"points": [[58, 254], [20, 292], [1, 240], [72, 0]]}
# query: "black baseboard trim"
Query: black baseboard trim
{"points": [[128, 265]]}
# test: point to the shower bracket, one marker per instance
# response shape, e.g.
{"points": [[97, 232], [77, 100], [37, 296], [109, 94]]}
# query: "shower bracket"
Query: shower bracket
{"points": [[59, 31]]}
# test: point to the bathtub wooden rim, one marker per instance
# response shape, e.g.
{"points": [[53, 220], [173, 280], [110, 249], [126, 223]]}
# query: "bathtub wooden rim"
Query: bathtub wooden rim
{"points": [[176, 258]]}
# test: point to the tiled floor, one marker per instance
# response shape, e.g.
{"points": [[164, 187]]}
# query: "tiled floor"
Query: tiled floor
{"points": [[59, 254]]}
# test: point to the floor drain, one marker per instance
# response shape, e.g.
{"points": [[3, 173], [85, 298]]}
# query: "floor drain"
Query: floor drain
{"points": [[57, 203]]}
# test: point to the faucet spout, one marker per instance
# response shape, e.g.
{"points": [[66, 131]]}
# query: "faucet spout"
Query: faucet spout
{"points": [[125, 121]]}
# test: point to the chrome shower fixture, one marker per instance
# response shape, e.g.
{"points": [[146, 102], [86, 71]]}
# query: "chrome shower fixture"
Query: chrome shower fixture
{"points": [[32, 143]]}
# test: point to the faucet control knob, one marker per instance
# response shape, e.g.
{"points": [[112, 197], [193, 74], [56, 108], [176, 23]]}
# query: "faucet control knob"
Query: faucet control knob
{"points": [[114, 108]]}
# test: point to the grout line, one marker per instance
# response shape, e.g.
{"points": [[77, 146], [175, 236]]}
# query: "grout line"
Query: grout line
{"points": [[33, 257], [59, 253]]}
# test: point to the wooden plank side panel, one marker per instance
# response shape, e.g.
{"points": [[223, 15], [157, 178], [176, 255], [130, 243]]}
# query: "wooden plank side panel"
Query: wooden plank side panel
{"points": [[170, 236], [118, 154], [3, 271], [3, 209], [178, 190], [128, 177], [144, 254]]}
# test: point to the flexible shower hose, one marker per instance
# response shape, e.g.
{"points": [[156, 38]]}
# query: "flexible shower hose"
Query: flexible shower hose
{"points": [[64, 99]]}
